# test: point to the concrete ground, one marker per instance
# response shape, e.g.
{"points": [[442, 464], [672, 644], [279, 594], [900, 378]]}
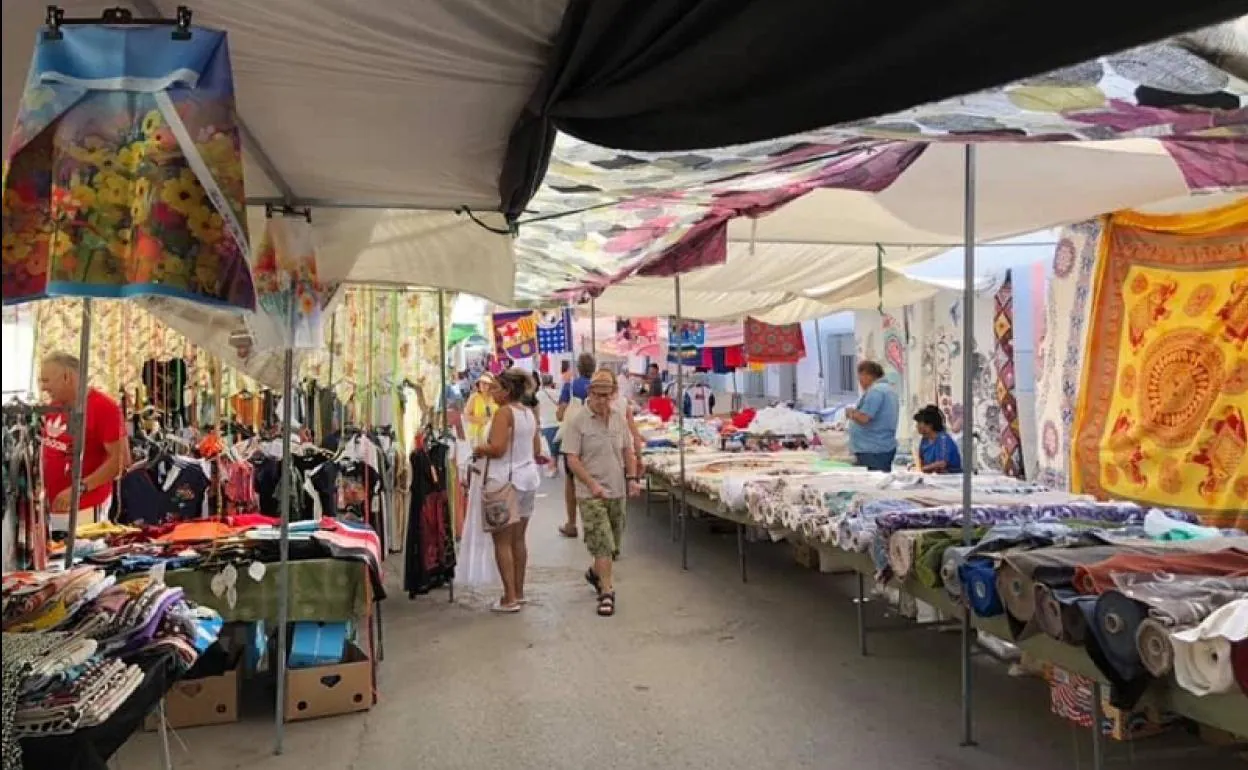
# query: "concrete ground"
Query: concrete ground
{"points": [[695, 671]]}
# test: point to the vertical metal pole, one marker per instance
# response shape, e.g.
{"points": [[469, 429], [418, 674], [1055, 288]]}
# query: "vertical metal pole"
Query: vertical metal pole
{"points": [[968, 427], [680, 431], [593, 328], [165, 754], [450, 584], [741, 551], [1098, 735], [442, 351], [78, 426], [283, 576], [823, 383], [862, 616]]}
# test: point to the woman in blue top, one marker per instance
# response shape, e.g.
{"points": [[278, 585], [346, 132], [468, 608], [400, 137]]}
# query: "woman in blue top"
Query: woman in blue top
{"points": [[938, 452]]}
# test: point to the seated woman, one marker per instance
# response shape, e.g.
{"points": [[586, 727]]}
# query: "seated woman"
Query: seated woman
{"points": [[938, 452]]}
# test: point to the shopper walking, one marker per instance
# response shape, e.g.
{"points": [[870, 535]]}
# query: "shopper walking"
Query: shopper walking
{"points": [[548, 416], [513, 449], [571, 401], [873, 423], [599, 452], [105, 451]]}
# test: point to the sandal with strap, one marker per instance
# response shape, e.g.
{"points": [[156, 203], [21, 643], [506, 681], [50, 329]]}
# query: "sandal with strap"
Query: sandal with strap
{"points": [[568, 532], [592, 578], [606, 605]]}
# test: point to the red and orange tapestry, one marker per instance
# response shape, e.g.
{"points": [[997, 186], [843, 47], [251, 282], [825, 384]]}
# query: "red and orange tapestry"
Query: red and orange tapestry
{"points": [[1161, 414]]}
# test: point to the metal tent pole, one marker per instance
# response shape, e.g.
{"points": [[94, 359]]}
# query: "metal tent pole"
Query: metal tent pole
{"points": [[680, 429], [968, 427], [593, 329], [78, 426], [283, 577], [823, 385], [450, 585]]}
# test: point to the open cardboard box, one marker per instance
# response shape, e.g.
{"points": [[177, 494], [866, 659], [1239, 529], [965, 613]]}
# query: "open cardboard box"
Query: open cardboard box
{"points": [[212, 700], [322, 691]]}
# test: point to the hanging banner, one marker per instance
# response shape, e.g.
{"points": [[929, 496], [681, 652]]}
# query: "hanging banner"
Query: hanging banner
{"points": [[686, 333], [554, 331], [768, 344], [289, 290], [515, 333], [124, 173], [1161, 417]]}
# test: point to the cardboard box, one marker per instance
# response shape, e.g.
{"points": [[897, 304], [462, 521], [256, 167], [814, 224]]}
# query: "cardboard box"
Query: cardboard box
{"points": [[806, 556], [212, 700], [322, 691], [314, 643]]}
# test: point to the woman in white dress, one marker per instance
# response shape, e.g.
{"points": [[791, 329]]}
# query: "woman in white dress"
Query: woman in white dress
{"points": [[513, 446]]}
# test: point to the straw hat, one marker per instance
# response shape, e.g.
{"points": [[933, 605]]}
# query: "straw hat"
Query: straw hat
{"points": [[603, 380]]}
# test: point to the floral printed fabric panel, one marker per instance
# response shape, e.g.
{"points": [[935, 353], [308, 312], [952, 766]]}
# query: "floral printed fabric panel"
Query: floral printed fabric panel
{"points": [[113, 192], [290, 290], [1060, 356], [1161, 414]]}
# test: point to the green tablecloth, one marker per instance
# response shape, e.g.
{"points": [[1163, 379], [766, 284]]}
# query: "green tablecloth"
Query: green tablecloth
{"points": [[320, 589]]}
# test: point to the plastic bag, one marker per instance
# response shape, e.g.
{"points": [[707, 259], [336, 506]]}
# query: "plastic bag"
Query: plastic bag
{"points": [[475, 566]]}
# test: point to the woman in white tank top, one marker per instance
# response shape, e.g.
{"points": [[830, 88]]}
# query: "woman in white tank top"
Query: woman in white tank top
{"points": [[513, 448]]}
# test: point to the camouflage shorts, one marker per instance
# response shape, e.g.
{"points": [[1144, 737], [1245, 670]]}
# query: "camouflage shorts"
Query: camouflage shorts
{"points": [[603, 521]]}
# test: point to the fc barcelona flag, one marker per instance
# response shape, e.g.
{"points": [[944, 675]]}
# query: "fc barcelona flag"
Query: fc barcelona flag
{"points": [[515, 334], [554, 331]]}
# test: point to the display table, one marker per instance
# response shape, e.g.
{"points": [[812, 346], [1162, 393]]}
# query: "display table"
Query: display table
{"points": [[320, 590]]}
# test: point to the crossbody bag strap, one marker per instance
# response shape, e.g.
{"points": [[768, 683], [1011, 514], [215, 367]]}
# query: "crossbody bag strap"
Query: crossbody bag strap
{"points": [[511, 444]]}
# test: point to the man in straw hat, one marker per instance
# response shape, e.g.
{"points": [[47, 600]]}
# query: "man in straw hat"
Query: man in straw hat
{"points": [[599, 451]]}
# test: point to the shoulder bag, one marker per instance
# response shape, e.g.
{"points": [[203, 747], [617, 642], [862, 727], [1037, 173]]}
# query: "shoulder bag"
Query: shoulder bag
{"points": [[500, 503]]}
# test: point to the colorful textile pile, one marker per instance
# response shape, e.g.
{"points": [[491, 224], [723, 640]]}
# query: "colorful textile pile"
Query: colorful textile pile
{"points": [[1161, 416], [113, 192], [769, 344]]}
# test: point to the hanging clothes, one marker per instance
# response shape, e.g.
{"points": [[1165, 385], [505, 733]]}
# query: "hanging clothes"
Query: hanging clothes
{"points": [[166, 383], [430, 556]]}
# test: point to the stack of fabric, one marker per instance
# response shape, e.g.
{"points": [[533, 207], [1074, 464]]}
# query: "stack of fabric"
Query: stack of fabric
{"points": [[77, 645]]}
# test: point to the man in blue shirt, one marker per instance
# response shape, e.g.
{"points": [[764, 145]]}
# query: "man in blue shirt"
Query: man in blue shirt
{"points": [[873, 423]]}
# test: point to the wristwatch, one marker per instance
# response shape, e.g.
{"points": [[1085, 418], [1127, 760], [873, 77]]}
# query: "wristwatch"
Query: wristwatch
{"points": [[82, 487]]}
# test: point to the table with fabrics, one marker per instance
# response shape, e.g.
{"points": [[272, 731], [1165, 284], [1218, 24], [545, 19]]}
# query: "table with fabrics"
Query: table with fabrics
{"points": [[1140, 599], [87, 657]]}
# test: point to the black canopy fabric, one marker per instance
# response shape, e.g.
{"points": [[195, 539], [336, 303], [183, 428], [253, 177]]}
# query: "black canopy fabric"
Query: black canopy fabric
{"points": [[694, 74]]}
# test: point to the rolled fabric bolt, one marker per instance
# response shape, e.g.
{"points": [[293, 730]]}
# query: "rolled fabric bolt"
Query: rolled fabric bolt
{"points": [[1152, 640], [1048, 613], [1077, 612], [1239, 664], [901, 551], [1202, 654], [1117, 620], [950, 564], [1017, 592], [979, 586]]}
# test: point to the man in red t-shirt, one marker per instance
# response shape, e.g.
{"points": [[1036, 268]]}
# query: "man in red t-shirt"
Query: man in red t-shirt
{"points": [[105, 445]]}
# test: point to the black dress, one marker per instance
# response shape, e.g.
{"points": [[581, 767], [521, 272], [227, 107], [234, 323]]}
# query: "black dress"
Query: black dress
{"points": [[430, 557]]}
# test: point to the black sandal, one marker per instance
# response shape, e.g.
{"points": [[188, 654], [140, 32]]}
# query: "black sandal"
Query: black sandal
{"points": [[606, 605], [592, 578]]}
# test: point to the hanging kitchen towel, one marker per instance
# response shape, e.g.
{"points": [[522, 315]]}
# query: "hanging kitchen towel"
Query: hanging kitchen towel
{"points": [[769, 344], [124, 174], [1202, 654]]}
